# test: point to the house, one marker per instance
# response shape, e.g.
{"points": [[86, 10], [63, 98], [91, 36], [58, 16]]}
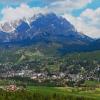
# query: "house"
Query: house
{"points": [[11, 88]]}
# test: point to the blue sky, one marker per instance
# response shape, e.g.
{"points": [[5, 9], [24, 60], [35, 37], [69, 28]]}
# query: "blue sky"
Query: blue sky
{"points": [[83, 14], [42, 3], [93, 5]]}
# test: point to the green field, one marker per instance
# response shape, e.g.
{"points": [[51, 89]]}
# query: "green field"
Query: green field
{"points": [[50, 93], [77, 93]]}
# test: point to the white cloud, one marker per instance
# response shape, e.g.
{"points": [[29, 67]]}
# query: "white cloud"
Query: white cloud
{"points": [[88, 22], [24, 10], [62, 6], [92, 17]]}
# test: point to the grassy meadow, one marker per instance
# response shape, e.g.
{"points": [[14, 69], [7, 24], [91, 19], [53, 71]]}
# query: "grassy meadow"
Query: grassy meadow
{"points": [[68, 92]]}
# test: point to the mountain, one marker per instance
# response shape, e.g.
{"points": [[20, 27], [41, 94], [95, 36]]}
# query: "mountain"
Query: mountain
{"points": [[46, 27], [95, 45], [44, 30]]}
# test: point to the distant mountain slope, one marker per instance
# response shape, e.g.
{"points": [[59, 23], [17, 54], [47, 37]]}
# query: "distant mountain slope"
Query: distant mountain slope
{"points": [[95, 45]]}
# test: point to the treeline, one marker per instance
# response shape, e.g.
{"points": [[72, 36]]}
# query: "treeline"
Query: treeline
{"points": [[28, 95]]}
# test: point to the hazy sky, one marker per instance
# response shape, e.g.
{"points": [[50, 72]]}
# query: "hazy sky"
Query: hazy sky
{"points": [[83, 14]]}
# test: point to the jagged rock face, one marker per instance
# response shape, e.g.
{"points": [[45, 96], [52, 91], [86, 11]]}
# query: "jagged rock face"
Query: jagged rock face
{"points": [[45, 27]]}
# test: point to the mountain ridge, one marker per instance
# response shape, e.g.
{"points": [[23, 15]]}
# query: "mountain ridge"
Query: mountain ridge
{"points": [[47, 24], [46, 29]]}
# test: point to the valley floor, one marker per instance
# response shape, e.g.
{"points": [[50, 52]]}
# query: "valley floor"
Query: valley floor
{"points": [[51, 93]]}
